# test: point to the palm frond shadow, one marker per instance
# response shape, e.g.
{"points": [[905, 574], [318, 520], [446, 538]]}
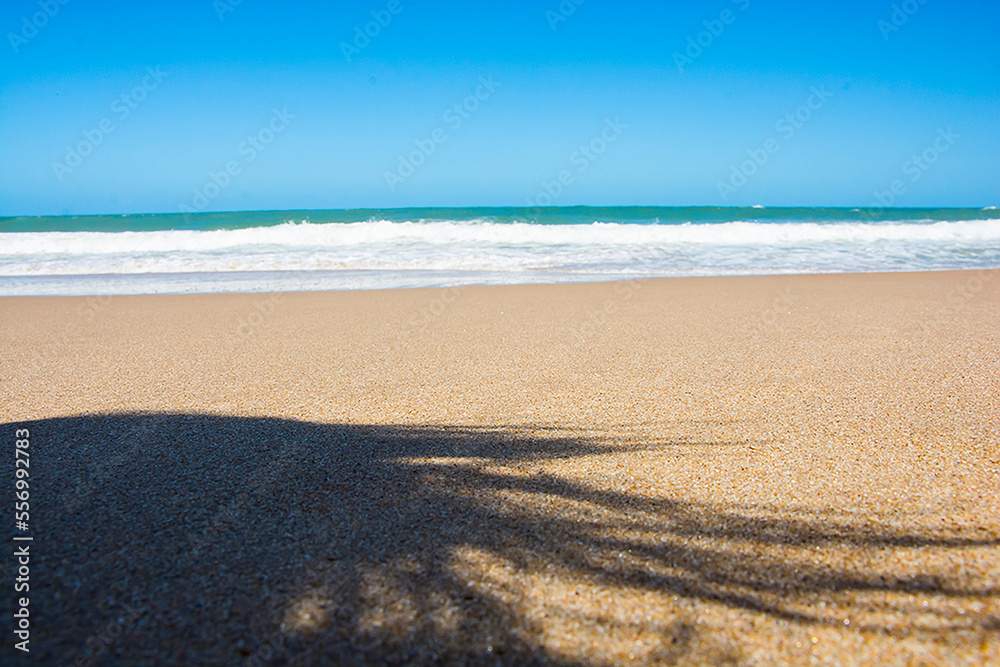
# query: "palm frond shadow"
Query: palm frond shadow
{"points": [[406, 544]]}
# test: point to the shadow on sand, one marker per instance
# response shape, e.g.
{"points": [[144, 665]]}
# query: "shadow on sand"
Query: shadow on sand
{"points": [[196, 539]]}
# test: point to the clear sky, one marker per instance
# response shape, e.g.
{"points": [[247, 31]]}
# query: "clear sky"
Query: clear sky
{"points": [[143, 106]]}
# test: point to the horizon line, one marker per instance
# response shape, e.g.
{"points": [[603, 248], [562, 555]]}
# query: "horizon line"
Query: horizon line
{"points": [[990, 207]]}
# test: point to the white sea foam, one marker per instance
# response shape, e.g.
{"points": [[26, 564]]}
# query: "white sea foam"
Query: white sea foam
{"points": [[471, 250], [291, 236]]}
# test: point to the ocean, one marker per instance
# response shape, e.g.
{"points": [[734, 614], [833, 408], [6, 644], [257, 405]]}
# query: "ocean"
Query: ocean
{"points": [[261, 251]]}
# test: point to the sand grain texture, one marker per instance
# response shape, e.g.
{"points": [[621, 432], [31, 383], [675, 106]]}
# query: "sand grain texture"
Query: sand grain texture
{"points": [[789, 469]]}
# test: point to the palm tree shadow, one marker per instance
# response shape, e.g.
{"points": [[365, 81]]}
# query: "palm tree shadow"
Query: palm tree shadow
{"points": [[199, 539]]}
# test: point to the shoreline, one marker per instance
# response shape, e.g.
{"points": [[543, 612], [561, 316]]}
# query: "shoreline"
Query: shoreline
{"points": [[772, 469], [265, 277]]}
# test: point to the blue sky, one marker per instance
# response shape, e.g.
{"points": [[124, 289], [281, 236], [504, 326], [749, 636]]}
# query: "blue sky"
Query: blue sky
{"points": [[121, 107]]}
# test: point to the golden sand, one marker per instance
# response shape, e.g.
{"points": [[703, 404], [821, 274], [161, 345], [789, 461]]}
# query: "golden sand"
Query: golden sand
{"points": [[792, 469]]}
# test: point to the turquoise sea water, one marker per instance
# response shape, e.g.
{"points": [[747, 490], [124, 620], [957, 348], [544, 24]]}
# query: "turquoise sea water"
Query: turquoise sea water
{"points": [[366, 248]]}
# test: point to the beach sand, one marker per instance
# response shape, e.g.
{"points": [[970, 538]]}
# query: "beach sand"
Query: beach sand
{"points": [[746, 471]]}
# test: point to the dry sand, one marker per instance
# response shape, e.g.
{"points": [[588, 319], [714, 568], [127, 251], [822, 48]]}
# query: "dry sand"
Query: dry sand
{"points": [[793, 469]]}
